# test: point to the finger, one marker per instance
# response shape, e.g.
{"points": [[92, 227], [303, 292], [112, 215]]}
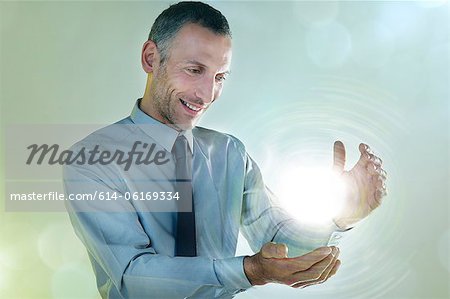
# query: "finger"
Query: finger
{"points": [[282, 250], [372, 159], [292, 270], [335, 269], [374, 202], [330, 271], [306, 261], [377, 197], [364, 148], [338, 156], [310, 259], [273, 250], [317, 273], [378, 182], [365, 151], [376, 160], [380, 193], [373, 170], [371, 163]]}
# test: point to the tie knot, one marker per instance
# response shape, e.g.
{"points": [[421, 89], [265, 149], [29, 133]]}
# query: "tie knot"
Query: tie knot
{"points": [[181, 147]]}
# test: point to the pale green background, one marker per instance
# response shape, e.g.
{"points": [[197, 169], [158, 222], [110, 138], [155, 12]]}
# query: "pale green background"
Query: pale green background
{"points": [[303, 75]]}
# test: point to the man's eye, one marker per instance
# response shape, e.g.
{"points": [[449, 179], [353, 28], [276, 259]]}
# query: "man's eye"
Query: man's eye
{"points": [[194, 71], [220, 78]]}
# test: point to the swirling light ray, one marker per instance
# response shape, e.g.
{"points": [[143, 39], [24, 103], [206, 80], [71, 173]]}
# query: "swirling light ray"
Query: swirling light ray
{"points": [[302, 134]]}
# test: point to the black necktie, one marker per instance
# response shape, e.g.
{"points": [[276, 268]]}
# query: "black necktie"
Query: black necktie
{"points": [[185, 242]]}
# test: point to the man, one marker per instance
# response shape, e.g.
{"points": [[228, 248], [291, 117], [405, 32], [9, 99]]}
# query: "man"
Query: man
{"points": [[139, 253]]}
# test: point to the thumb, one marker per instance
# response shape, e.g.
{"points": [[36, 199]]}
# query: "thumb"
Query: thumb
{"points": [[273, 250], [338, 156]]}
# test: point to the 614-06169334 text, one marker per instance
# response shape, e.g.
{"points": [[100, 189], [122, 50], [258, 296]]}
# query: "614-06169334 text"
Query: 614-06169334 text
{"points": [[103, 196]]}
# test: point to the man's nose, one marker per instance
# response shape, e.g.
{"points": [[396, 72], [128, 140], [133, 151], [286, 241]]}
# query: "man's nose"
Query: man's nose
{"points": [[206, 89]]}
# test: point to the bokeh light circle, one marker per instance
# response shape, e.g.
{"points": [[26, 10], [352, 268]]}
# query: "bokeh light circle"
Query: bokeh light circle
{"points": [[315, 13], [373, 44], [328, 45], [73, 281], [57, 245], [443, 247]]}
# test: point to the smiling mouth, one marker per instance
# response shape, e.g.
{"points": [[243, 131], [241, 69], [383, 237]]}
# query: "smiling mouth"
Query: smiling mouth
{"points": [[190, 107]]}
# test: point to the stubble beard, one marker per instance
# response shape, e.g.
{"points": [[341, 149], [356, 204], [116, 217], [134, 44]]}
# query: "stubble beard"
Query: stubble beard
{"points": [[164, 101]]}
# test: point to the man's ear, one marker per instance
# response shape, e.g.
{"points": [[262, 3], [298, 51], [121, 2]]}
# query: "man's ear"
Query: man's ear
{"points": [[150, 57]]}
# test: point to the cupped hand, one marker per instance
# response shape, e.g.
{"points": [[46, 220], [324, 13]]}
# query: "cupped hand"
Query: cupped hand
{"points": [[271, 264]]}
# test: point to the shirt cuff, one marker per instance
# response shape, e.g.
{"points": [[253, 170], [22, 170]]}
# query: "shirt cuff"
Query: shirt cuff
{"points": [[230, 272], [336, 235]]}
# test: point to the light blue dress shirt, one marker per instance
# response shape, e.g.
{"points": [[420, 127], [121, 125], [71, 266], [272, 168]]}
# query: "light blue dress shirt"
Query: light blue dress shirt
{"points": [[132, 249]]}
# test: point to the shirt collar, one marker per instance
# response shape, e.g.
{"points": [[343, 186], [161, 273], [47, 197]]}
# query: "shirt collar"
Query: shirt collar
{"points": [[160, 132]]}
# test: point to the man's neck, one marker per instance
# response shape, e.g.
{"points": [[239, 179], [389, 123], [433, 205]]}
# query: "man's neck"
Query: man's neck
{"points": [[146, 103]]}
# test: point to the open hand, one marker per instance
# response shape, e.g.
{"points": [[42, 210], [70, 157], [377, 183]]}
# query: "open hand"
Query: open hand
{"points": [[365, 185]]}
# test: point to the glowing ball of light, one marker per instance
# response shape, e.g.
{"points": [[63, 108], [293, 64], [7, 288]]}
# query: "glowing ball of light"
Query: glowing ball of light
{"points": [[311, 195]]}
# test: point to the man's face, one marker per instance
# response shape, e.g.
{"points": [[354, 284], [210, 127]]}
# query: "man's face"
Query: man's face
{"points": [[192, 77]]}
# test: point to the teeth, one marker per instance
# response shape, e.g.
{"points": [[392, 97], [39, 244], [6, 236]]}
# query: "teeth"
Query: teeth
{"points": [[190, 106]]}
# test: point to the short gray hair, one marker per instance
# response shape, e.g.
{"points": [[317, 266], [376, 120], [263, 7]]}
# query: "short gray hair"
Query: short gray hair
{"points": [[171, 20]]}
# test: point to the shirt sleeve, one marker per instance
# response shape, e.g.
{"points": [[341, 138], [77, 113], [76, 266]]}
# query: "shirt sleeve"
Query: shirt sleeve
{"points": [[264, 220], [122, 249]]}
